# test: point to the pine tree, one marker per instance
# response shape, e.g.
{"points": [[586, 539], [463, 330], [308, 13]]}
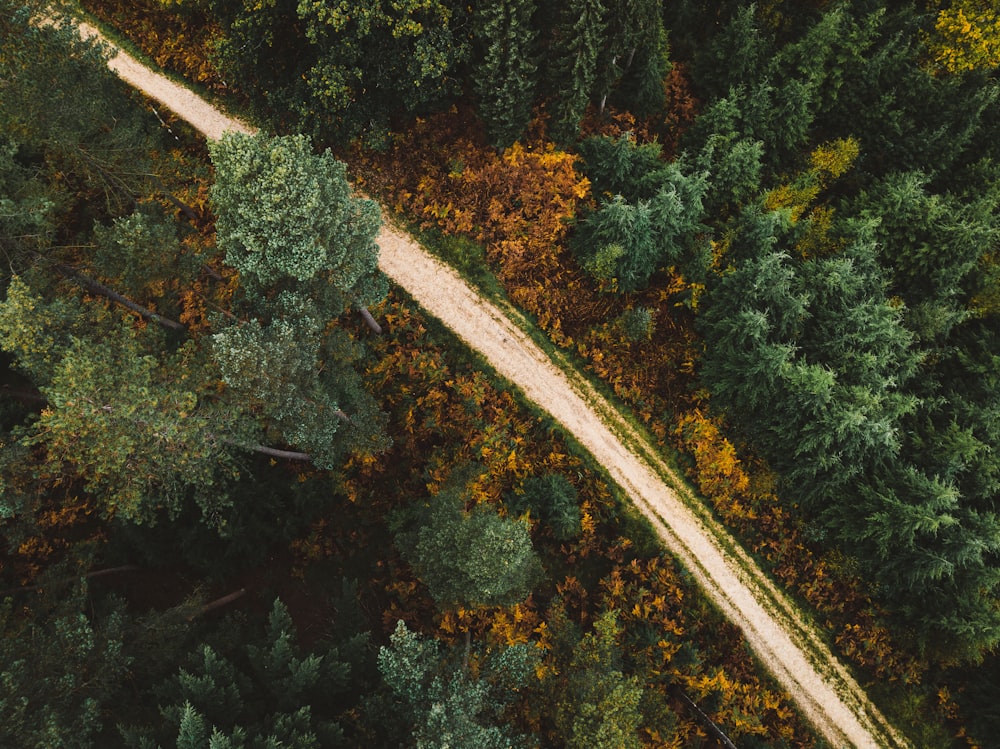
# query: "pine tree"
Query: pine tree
{"points": [[284, 699], [572, 75], [505, 78], [305, 249], [441, 705], [61, 665]]}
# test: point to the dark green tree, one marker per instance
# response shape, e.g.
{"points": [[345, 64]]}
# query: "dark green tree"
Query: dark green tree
{"points": [[620, 166], [572, 72], [61, 665], [634, 49], [57, 94], [552, 498], [505, 76], [623, 244], [811, 361], [736, 56], [270, 695], [338, 72]]}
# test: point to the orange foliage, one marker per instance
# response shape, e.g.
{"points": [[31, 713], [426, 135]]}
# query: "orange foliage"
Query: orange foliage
{"points": [[180, 42], [682, 106]]}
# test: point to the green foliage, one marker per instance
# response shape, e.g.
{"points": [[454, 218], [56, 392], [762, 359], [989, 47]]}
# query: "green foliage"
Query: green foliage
{"points": [[573, 67], [444, 706], [622, 244], [132, 427], [468, 558], [554, 499], [633, 57], [281, 697], [60, 96], [338, 71], [933, 245], [60, 667], [286, 214], [816, 354], [638, 323], [620, 166], [505, 78], [305, 249], [139, 250], [599, 705], [26, 206]]}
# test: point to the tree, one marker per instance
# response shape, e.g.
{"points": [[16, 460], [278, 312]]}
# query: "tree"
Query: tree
{"points": [[61, 664], [933, 245], [305, 250], [282, 698], [966, 36], [572, 75], [133, 428], [598, 705], [468, 558], [339, 72], [554, 499], [810, 361], [285, 214], [735, 57], [504, 79], [441, 704], [58, 94], [635, 49], [620, 166], [623, 244]]}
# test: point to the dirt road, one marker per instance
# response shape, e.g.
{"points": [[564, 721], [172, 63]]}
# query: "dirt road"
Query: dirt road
{"points": [[787, 645]]}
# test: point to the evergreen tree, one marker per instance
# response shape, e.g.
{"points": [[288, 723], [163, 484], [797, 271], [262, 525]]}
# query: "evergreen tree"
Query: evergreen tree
{"points": [[133, 427], [736, 56], [442, 704], [623, 244], [552, 498], [305, 249], [620, 166], [281, 698], [61, 664], [810, 361], [337, 73], [573, 68], [60, 97], [598, 705], [468, 558], [505, 77], [634, 48]]}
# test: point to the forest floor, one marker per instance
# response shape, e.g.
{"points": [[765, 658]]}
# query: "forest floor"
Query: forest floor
{"points": [[788, 645]]}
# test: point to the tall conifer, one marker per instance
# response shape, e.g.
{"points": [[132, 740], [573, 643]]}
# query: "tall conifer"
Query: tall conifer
{"points": [[505, 77]]}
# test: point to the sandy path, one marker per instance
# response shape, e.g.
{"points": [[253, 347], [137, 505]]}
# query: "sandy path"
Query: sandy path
{"points": [[791, 649]]}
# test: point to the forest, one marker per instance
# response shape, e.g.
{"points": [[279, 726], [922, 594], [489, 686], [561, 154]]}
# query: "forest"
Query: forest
{"points": [[236, 514]]}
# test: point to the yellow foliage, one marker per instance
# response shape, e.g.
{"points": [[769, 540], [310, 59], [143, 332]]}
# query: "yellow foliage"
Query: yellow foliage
{"points": [[833, 159], [966, 37]]}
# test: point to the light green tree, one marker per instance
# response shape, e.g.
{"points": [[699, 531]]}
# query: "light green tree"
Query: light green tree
{"points": [[598, 706], [442, 706]]}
